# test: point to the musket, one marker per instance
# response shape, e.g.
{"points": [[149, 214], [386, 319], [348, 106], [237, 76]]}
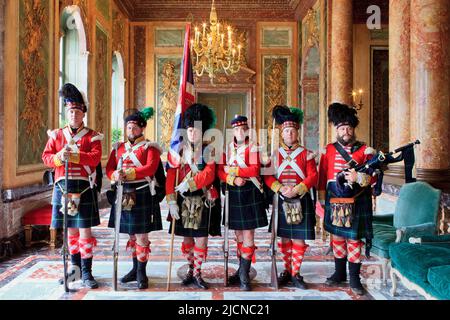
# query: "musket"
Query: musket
{"points": [[172, 236], [118, 213], [274, 226], [65, 223], [226, 244]]}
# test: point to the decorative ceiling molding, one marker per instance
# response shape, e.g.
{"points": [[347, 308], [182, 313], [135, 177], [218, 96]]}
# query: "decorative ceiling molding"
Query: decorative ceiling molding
{"points": [[175, 10]]}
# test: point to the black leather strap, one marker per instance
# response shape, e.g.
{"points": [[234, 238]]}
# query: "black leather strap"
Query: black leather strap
{"points": [[350, 161]]}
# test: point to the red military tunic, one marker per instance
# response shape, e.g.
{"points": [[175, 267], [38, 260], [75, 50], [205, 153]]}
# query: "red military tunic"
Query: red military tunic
{"points": [[247, 154], [288, 175], [85, 156], [204, 178], [331, 163], [146, 153]]}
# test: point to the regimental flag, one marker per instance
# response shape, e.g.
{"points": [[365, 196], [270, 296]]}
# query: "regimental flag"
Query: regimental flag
{"points": [[186, 98]]}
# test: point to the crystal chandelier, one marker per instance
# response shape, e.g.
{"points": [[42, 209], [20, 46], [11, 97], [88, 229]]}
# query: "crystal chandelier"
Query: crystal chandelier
{"points": [[214, 49]]}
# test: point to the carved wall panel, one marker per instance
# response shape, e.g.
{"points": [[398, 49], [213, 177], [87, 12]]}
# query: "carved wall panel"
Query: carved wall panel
{"points": [[139, 66], [103, 7]]}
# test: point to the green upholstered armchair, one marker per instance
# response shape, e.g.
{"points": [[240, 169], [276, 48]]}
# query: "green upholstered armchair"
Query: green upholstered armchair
{"points": [[423, 265], [415, 216]]}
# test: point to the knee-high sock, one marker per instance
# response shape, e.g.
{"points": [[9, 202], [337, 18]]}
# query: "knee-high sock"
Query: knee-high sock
{"points": [[248, 253], [239, 249], [86, 247], [286, 251], [298, 252], [188, 251], [74, 246], [354, 250], [131, 244], [199, 257], [339, 248], [142, 252]]}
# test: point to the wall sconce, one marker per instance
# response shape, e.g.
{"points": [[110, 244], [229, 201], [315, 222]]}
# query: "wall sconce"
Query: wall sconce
{"points": [[357, 95]]}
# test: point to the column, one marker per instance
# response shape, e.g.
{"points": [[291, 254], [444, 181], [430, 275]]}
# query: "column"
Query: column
{"points": [[430, 90], [341, 51]]}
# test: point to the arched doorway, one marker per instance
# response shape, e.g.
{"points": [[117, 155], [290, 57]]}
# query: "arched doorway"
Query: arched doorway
{"points": [[73, 55], [117, 97]]}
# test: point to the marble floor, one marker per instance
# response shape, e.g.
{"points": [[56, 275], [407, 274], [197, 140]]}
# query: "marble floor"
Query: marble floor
{"points": [[33, 274]]}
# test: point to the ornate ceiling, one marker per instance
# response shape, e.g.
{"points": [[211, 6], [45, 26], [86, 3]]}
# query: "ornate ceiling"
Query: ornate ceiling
{"points": [[171, 10]]}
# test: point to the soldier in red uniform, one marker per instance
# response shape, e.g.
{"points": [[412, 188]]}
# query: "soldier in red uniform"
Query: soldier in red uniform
{"points": [[348, 203], [82, 147], [198, 202], [140, 206], [296, 175], [240, 169]]}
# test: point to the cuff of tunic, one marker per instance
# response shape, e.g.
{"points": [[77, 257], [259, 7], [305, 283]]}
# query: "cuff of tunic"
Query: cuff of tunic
{"points": [[130, 173], [301, 188], [363, 179], [230, 180], [321, 195], [57, 162], [171, 198], [192, 185], [276, 186], [233, 171]]}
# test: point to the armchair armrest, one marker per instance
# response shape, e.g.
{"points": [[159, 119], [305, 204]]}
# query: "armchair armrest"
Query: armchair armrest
{"points": [[384, 219], [420, 230], [445, 238]]}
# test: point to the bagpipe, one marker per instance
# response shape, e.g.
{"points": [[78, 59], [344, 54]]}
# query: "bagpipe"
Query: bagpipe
{"points": [[375, 166]]}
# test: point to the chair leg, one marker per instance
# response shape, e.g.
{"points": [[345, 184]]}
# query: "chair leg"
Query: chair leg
{"points": [[53, 238], [28, 234], [394, 283], [384, 267]]}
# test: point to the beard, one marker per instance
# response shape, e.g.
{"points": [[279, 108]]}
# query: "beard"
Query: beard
{"points": [[350, 141], [132, 137]]}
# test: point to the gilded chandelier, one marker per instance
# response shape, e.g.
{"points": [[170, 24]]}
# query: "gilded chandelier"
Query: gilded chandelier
{"points": [[214, 49]]}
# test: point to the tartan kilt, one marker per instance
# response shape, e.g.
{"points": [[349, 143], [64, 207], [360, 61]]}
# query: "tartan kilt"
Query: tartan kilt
{"points": [[88, 215], [144, 217], [362, 220], [202, 231], [302, 231], [247, 207]]}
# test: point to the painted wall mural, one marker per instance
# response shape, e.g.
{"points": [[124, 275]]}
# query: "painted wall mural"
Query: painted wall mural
{"points": [[168, 75], [34, 45], [276, 85], [139, 81], [102, 96], [103, 7]]}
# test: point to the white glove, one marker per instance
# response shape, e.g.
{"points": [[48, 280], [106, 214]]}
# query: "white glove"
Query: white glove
{"points": [[182, 187], [173, 210]]}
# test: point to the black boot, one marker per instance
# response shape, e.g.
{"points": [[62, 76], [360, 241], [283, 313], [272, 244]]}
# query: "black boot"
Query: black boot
{"points": [[355, 281], [132, 275], [244, 272], [189, 277], [284, 278], [74, 272], [340, 273], [234, 279], [141, 275], [297, 280], [199, 282], [86, 274]]}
